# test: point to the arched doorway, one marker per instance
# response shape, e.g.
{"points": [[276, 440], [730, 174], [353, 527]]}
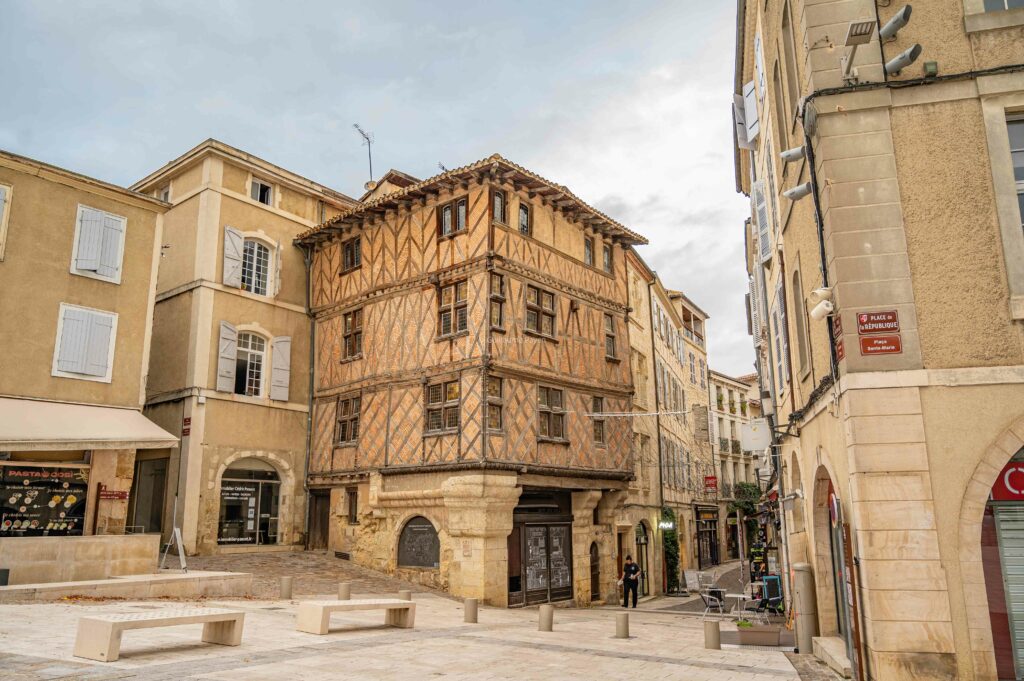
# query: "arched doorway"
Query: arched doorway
{"points": [[826, 505], [642, 558], [595, 573], [418, 544], [250, 494]]}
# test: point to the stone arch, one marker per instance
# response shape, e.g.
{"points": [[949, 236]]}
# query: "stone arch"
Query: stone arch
{"points": [[285, 473], [796, 518], [972, 576], [825, 586]]}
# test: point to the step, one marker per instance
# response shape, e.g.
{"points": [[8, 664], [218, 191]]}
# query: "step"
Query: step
{"points": [[832, 651]]}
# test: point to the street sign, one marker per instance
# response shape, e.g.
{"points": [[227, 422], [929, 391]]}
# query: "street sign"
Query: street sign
{"points": [[710, 483], [840, 349], [755, 436], [878, 322], [1009, 486], [888, 344], [113, 494]]}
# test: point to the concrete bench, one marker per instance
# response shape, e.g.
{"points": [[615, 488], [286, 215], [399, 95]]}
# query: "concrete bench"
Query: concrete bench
{"points": [[99, 636], [314, 617]]}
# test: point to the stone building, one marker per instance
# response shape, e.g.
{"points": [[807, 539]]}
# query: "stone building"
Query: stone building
{"points": [[78, 261], [229, 372], [470, 338], [887, 300], [670, 437]]}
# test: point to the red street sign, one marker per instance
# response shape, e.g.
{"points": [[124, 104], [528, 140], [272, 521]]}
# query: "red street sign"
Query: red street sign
{"points": [[187, 421], [113, 494], [710, 483], [840, 349], [185, 432], [878, 322], [1009, 486], [837, 325], [889, 344]]}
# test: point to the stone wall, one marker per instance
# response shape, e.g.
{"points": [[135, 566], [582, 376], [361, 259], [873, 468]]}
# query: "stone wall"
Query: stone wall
{"points": [[34, 560]]}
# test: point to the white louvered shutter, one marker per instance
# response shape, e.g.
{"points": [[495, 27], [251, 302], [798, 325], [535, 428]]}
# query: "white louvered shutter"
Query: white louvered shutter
{"points": [[759, 65], [781, 297], [750, 119], [281, 367], [1010, 532], [755, 312], [764, 235], [97, 355], [234, 245], [110, 249], [227, 355], [90, 239], [74, 341], [277, 268], [739, 121]]}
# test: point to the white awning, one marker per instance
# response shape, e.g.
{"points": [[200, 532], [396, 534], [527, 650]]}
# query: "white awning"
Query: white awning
{"points": [[27, 425]]}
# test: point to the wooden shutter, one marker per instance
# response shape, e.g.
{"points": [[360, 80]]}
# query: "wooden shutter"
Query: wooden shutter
{"points": [[755, 311], [97, 353], [781, 297], [740, 122], [750, 119], [760, 205], [90, 239], [234, 246], [110, 249], [281, 363], [74, 340], [227, 355]]}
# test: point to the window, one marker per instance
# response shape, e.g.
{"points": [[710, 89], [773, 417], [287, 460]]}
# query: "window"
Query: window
{"points": [[998, 5], [348, 420], [85, 344], [609, 336], [525, 225], [499, 207], [452, 316], [352, 497], [540, 311], [693, 369], [551, 413], [99, 245], [494, 402], [262, 192], [1015, 128], [249, 364], [497, 300], [598, 415], [351, 255], [607, 258], [255, 267], [702, 375], [452, 217], [164, 194], [801, 331], [588, 251], [352, 334], [442, 406], [781, 118], [789, 53], [5, 202]]}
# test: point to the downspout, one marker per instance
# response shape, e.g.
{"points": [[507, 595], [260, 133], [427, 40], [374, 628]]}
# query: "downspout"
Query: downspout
{"points": [[307, 258], [657, 406]]}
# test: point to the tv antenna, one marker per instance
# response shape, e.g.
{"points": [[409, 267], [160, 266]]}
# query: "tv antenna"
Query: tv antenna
{"points": [[441, 166], [368, 141]]}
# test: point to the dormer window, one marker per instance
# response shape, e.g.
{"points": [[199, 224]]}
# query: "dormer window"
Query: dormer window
{"points": [[262, 192]]}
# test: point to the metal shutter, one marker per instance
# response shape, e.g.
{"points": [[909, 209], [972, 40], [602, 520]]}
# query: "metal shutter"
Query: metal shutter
{"points": [[1010, 530]]}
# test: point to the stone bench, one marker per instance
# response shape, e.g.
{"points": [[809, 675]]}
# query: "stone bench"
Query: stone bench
{"points": [[314, 617], [99, 636]]}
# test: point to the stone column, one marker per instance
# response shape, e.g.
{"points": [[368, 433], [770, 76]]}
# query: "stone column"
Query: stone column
{"points": [[583, 533], [479, 510], [114, 469]]}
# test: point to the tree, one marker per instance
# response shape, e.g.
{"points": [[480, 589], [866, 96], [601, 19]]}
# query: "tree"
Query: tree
{"points": [[670, 544]]}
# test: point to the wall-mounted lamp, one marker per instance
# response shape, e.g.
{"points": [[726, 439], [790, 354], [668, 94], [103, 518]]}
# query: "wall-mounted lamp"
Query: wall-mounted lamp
{"points": [[859, 33]]}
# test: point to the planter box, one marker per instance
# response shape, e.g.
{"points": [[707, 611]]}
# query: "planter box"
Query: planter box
{"points": [[760, 635]]}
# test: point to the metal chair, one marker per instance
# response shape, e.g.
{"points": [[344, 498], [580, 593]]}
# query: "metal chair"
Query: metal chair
{"points": [[712, 601]]}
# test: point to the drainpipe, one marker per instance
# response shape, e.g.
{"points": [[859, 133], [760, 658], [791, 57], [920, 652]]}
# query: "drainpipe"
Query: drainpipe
{"points": [[307, 258], [657, 406]]}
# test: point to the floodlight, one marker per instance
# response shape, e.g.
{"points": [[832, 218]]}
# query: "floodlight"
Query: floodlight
{"points": [[798, 192], [893, 26], [794, 154], [903, 60], [818, 295], [822, 310]]}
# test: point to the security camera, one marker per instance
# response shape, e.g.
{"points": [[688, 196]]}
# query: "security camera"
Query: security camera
{"points": [[794, 154], [893, 26], [822, 310], [819, 294], [798, 192], [903, 59]]}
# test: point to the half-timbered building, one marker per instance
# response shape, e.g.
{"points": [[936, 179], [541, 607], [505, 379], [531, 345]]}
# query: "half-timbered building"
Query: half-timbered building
{"points": [[471, 355]]}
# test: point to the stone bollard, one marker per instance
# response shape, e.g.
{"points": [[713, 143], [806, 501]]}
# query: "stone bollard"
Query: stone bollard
{"points": [[405, 595], [344, 591], [712, 635], [546, 619], [622, 625], [469, 611], [286, 588]]}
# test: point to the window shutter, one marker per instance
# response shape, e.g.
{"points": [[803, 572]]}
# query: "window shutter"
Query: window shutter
{"points": [[759, 65], [98, 349], [750, 112], [110, 249], [739, 120], [234, 245], [281, 363], [90, 239], [755, 313], [277, 268], [74, 339], [763, 228], [3, 201], [227, 355], [781, 297]]}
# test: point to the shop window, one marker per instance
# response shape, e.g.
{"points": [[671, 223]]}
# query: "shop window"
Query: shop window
{"points": [[551, 414], [250, 493], [442, 407], [418, 544]]}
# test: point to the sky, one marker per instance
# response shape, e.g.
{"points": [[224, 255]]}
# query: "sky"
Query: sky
{"points": [[626, 103]]}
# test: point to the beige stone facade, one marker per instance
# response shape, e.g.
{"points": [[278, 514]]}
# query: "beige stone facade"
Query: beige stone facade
{"points": [[231, 345], [78, 260], [901, 407]]}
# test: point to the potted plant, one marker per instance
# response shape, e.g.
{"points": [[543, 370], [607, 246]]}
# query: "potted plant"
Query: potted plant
{"points": [[751, 634]]}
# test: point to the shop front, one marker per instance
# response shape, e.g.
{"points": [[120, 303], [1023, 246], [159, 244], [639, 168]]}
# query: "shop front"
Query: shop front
{"points": [[540, 548], [250, 493], [707, 536], [1002, 553]]}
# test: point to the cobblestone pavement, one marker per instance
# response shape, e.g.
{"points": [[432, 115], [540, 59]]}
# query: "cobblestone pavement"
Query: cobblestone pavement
{"points": [[36, 642], [315, 572], [811, 668]]}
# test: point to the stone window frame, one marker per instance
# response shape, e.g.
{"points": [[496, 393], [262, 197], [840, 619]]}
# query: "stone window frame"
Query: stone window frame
{"points": [[1002, 97], [977, 18]]}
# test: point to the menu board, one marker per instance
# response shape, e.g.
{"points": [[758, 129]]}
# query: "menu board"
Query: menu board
{"points": [[38, 501]]}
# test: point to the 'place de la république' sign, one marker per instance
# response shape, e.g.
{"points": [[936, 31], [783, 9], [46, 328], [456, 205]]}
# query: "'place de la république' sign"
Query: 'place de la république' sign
{"points": [[879, 333]]}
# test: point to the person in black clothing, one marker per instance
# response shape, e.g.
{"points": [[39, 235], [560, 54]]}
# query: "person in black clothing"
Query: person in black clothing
{"points": [[630, 581]]}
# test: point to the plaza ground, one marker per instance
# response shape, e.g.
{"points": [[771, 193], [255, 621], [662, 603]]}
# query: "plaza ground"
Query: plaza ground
{"points": [[36, 639]]}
